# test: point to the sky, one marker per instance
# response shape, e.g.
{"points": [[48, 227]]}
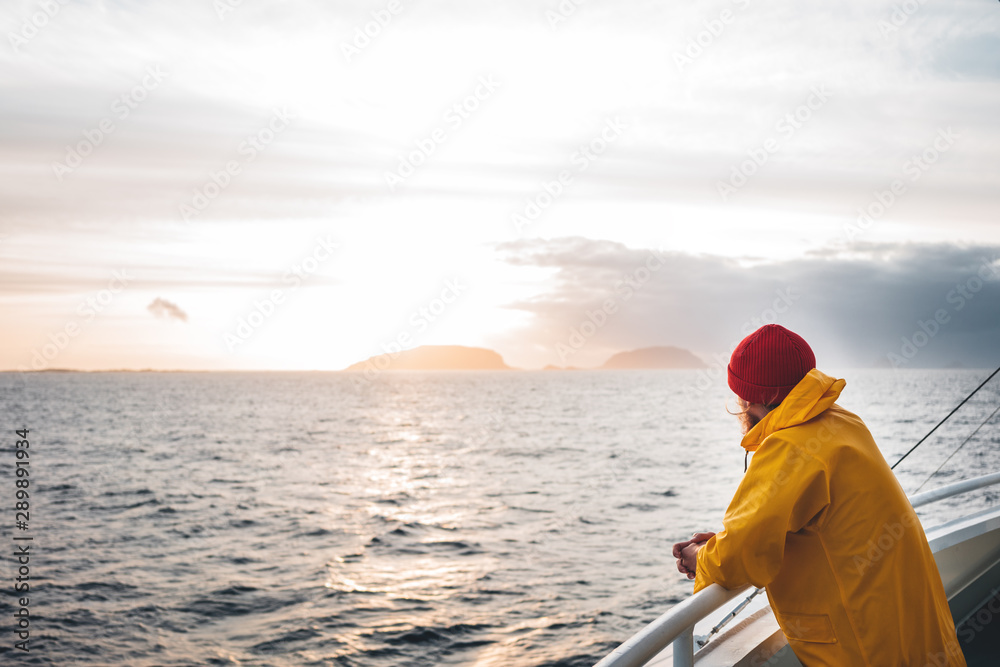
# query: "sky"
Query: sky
{"points": [[237, 184]]}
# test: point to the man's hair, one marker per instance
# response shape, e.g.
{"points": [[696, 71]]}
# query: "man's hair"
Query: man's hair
{"points": [[747, 421]]}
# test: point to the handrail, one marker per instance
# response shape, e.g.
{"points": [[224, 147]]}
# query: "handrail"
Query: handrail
{"points": [[676, 625], [645, 644], [954, 489]]}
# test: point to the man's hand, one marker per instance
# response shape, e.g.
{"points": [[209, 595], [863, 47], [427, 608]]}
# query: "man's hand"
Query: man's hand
{"points": [[686, 553]]}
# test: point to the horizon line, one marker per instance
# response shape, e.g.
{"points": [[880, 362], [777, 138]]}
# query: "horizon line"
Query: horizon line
{"points": [[434, 370]]}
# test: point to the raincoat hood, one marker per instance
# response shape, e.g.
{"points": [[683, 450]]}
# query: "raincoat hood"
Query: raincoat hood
{"points": [[813, 394]]}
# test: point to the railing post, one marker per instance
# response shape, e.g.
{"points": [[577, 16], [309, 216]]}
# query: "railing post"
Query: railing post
{"points": [[675, 626], [684, 648]]}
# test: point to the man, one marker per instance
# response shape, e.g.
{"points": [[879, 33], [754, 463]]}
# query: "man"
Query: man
{"points": [[820, 521]]}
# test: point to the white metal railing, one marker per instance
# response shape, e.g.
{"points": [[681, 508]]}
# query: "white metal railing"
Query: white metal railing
{"points": [[676, 626], [954, 489]]}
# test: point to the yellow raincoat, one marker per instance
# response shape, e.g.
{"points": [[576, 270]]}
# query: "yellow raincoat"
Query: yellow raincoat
{"points": [[820, 520]]}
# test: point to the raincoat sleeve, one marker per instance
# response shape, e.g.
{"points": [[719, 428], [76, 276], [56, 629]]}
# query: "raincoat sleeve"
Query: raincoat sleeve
{"points": [[784, 490]]}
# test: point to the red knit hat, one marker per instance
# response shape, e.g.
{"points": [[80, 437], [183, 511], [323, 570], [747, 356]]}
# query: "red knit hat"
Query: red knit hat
{"points": [[768, 364]]}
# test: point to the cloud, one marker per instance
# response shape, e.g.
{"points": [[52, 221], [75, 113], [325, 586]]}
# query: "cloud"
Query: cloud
{"points": [[857, 304], [689, 128], [163, 308], [41, 277], [890, 93]]}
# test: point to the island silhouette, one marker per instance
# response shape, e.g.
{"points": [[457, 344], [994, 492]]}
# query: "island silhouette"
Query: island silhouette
{"points": [[434, 358], [654, 357], [461, 357]]}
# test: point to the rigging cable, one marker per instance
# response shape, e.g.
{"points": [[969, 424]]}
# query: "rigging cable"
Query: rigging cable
{"points": [[971, 436], [893, 467]]}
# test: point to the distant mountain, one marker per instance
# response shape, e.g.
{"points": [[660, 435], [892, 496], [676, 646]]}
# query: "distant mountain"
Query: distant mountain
{"points": [[654, 357], [434, 358]]}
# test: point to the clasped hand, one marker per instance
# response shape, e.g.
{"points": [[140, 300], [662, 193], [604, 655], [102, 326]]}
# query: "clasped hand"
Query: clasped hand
{"points": [[686, 553]]}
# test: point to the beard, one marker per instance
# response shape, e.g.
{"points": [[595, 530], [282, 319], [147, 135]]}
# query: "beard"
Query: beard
{"points": [[747, 421]]}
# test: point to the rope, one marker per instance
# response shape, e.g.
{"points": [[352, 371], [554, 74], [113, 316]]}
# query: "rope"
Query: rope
{"points": [[971, 436], [893, 467]]}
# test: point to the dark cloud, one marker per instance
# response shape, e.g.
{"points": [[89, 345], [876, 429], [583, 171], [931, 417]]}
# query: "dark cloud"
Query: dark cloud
{"points": [[969, 56], [163, 308], [857, 305]]}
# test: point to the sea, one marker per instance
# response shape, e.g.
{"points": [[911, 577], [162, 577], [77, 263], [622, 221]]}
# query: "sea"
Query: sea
{"points": [[406, 518]]}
